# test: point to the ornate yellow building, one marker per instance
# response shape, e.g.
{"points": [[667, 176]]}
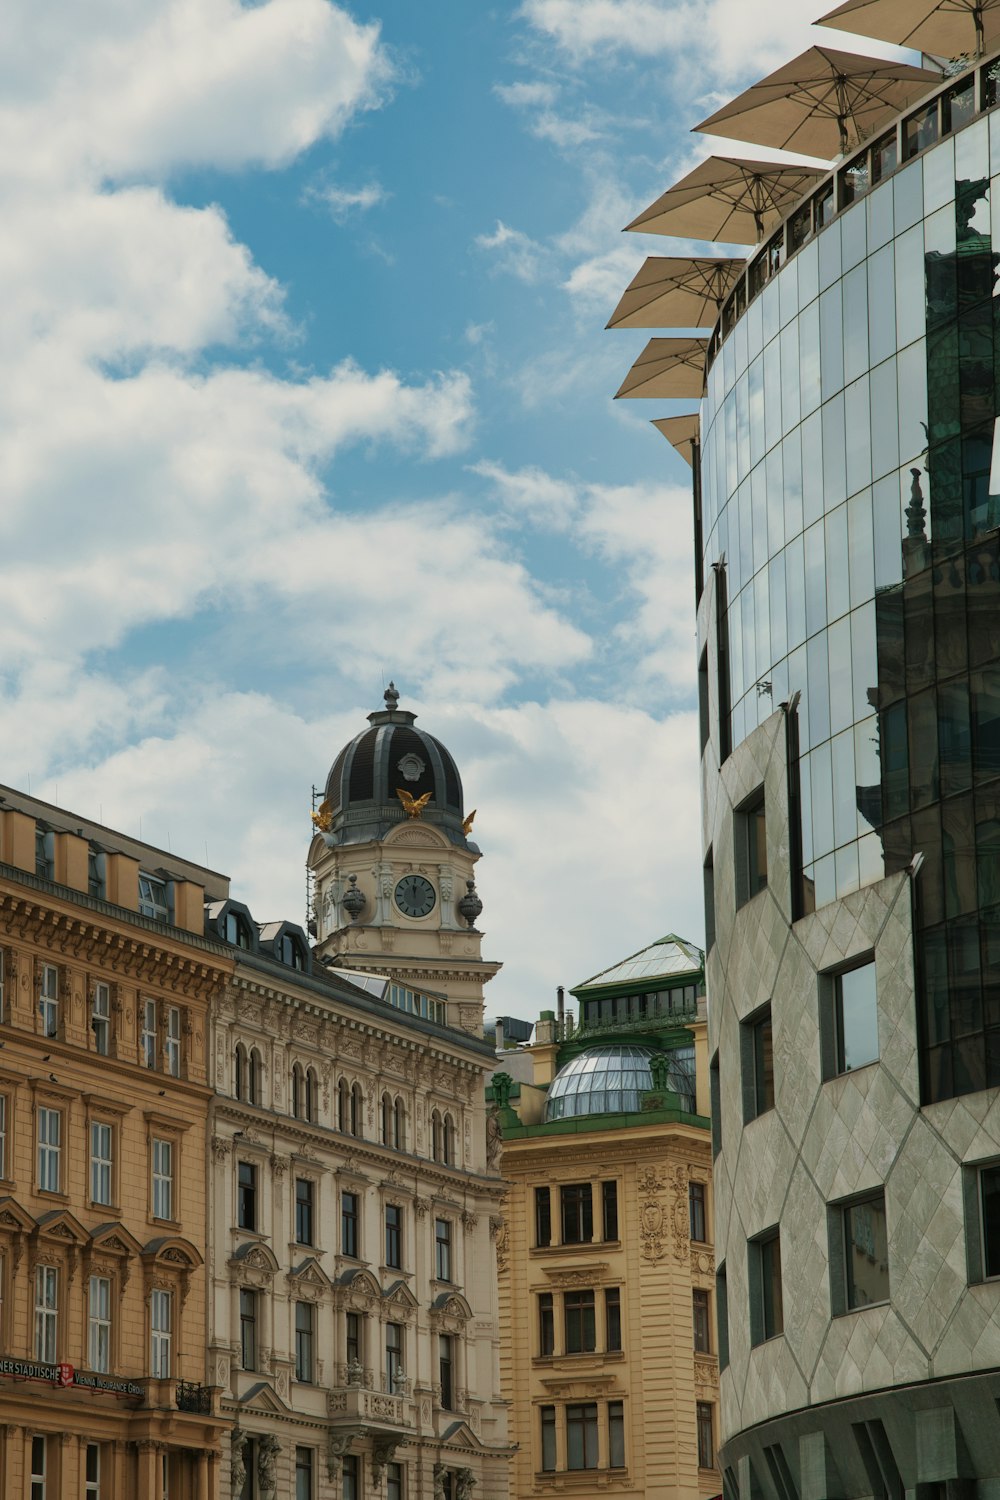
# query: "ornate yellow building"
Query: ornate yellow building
{"points": [[606, 1263], [105, 985]]}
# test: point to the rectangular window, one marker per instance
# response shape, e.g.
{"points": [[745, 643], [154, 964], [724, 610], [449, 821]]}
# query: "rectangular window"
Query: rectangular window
{"points": [[393, 1235], [303, 1474], [46, 1313], [160, 1319], [446, 1370], [722, 1316], [354, 1338], [394, 1482], [989, 1207], [442, 1249], [304, 1202], [246, 1196], [702, 1335], [696, 1211], [92, 1472], [49, 1149], [349, 1474], [96, 884], [706, 1436], [757, 1059], [304, 1342], [612, 1318], [163, 1179], [48, 1004], [248, 1329], [854, 1040], [3, 1013], [766, 1311], [750, 851], [99, 1324], [100, 1018], [546, 1325], [543, 1216], [548, 1414], [153, 898], [39, 1467], [865, 1251], [349, 1213], [581, 1331], [100, 1162], [581, 1435], [616, 1434], [173, 1047], [147, 1051], [577, 1213], [3, 1135], [609, 1209], [393, 1357]]}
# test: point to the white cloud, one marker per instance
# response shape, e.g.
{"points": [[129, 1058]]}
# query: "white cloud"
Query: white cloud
{"points": [[721, 40], [531, 495], [343, 202], [515, 252], [575, 870], [523, 95], [182, 83]]}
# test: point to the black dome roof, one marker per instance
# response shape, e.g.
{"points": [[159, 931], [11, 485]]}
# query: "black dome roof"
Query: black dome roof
{"points": [[361, 799]]}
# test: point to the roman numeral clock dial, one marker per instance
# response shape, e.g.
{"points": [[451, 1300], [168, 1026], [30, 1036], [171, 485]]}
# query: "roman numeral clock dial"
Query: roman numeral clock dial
{"points": [[415, 896]]}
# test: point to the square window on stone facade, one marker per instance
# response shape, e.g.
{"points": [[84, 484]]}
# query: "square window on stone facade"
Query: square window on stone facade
{"points": [[981, 1191], [613, 1318], [848, 1019], [750, 848], [757, 1060], [577, 1212], [859, 1253], [766, 1302], [580, 1322], [246, 1196], [546, 1325]]}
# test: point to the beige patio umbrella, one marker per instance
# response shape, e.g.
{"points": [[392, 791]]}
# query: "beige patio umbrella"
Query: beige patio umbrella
{"points": [[668, 368], [729, 199], [679, 292], [946, 28], [682, 433], [820, 101]]}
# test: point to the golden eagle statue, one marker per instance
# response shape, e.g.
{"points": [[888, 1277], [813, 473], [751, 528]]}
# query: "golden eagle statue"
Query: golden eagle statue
{"points": [[323, 817], [413, 806]]}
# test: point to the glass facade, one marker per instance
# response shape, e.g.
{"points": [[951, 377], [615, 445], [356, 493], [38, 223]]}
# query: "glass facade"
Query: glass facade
{"points": [[612, 1080], [850, 490]]}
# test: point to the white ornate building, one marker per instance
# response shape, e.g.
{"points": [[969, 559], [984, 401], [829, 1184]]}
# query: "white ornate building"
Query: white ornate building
{"points": [[353, 1320]]}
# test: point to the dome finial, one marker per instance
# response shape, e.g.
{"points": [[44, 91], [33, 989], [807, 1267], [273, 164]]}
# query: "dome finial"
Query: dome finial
{"points": [[391, 697]]}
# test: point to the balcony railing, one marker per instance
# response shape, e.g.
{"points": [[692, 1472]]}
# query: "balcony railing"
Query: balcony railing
{"points": [[356, 1403], [194, 1397]]}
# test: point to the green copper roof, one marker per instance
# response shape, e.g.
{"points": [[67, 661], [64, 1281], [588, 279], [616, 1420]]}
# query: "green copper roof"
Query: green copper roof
{"points": [[670, 957]]}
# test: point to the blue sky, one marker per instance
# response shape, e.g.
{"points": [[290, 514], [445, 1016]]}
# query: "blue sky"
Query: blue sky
{"points": [[307, 386]]}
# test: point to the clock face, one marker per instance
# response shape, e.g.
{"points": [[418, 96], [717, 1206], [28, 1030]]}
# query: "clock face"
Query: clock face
{"points": [[415, 896]]}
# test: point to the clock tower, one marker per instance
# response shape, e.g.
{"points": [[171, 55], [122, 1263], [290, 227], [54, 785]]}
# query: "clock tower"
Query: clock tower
{"points": [[393, 868]]}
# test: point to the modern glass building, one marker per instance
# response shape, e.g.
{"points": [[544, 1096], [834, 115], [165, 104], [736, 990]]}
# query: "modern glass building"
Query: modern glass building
{"points": [[847, 517]]}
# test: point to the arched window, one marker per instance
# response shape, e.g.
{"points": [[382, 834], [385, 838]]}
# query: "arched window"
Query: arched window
{"points": [[437, 1137], [399, 1124], [388, 1122], [298, 1091], [357, 1109], [311, 1094], [241, 1068], [448, 1133], [254, 1079], [343, 1105]]}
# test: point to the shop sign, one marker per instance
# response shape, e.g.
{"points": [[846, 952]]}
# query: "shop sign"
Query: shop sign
{"points": [[65, 1375]]}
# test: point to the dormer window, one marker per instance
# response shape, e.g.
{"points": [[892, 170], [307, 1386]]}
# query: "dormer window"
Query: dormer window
{"points": [[153, 897], [289, 952], [236, 930], [43, 853]]}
